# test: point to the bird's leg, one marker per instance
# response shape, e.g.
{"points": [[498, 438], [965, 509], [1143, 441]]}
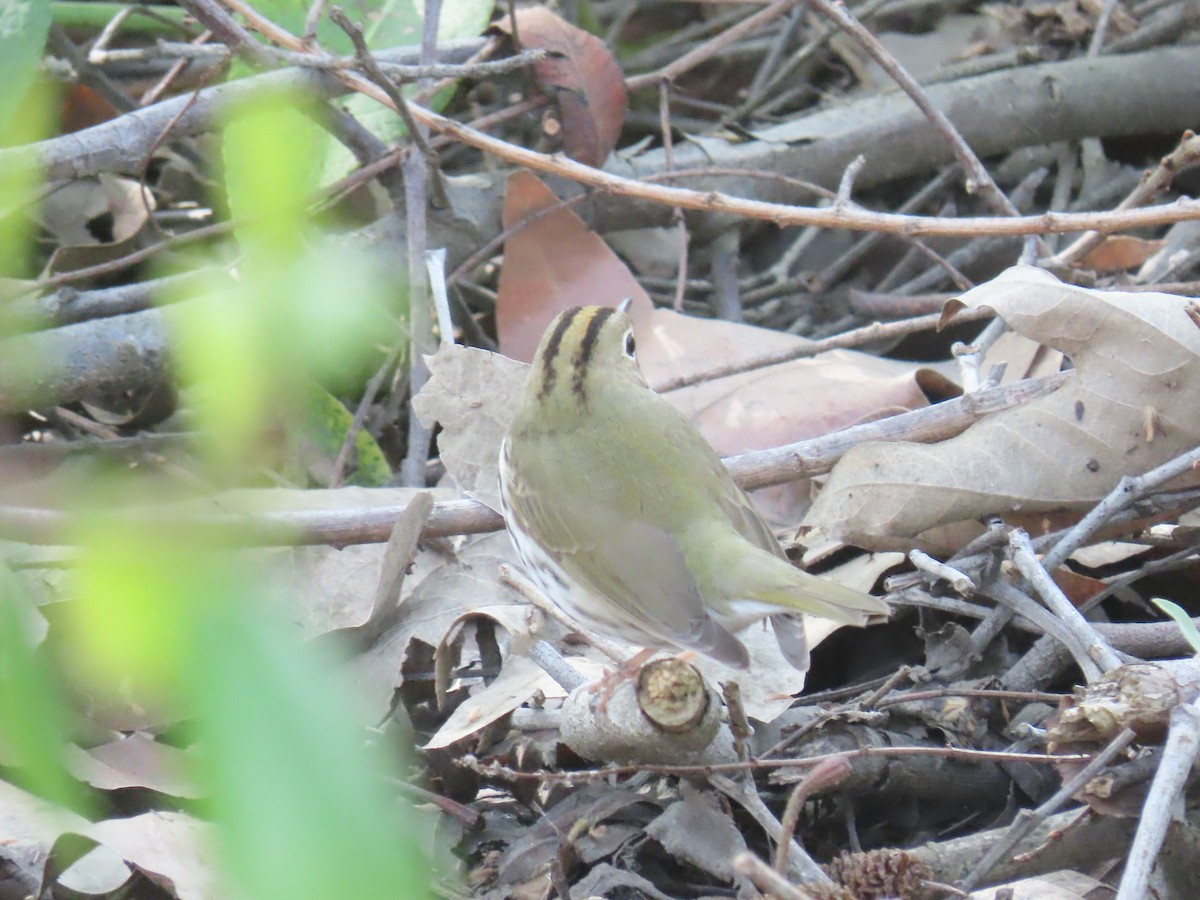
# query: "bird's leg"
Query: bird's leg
{"points": [[627, 670]]}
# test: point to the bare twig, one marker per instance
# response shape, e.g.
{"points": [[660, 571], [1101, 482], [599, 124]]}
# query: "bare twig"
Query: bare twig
{"points": [[855, 338], [1077, 641], [435, 266], [766, 879], [1184, 156], [820, 779], [1098, 649], [548, 776], [753, 470], [1101, 31], [360, 415], [705, 51], [960, 582], [800, 865], [1028, 820], [1127, 492], [1179, 756], [664, 124], [978, 179]]}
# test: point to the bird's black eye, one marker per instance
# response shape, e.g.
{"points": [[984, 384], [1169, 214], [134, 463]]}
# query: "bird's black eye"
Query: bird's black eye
{"points": [[630, 344]]}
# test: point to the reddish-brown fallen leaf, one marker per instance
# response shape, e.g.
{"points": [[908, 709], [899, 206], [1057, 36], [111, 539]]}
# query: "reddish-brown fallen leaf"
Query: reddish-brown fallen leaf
{"points": [[554, 263], [583, 77], [1120, 252]]}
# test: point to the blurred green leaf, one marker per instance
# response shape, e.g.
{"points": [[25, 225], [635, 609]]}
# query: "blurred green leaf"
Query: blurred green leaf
{"points": [[138, 588], [18, 183], [251, 351], [271, 167], [24, 25], [305, 308], [301, 806], [32, 714], [219, 350]]}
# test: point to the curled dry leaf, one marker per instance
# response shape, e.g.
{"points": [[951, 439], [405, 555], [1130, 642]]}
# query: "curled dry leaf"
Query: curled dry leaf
{"points": [[698, 831], [134, 761], [517, 682], [584, 78], [172, 849], [471, 393], [1126, 410], [467, 582]]}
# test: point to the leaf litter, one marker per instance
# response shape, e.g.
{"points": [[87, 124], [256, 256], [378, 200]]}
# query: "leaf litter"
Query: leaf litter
{"points": [[434, 639]]}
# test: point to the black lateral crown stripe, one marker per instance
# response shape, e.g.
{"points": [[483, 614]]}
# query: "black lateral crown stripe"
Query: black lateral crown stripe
{"points": [[587, 347], [552, 346]]}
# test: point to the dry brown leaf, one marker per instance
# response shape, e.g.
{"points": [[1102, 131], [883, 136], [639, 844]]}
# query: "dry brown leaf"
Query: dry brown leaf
{"points": [[1107, 553], [1078, 588], [399, 556], [699, 831], [468, 582], [471, 393], [584, 78], [1021, 358], [777, 405], [1061, 885], [172, 849], [518, 681], [134, 761], [1127, 409], [1120, 252], [517, 621], [529, 856], [332, 589], [67, 211]]}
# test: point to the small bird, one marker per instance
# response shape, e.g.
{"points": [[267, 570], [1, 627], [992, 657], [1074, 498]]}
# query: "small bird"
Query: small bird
{"points": [[625, 517]]}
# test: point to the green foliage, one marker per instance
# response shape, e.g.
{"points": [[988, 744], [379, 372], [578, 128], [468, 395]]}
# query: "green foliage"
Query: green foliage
{"points": [[17, 183], [139, 590], [32, 717], [1190, 633], [299, 803], [269, 152], [24, 25], [304, 308], [165, 616], [327, 421], [297, 798], [587, 19]]}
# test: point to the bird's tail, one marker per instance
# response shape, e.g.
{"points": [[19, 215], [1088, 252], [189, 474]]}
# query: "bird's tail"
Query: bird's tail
{"points": [[790, 588]]}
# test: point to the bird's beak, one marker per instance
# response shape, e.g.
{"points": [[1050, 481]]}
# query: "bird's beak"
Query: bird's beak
{"points": [[624, 305]]}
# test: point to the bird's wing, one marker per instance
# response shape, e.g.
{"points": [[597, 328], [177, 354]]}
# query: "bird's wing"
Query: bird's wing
{"points": [[641, 570], [748, 520], [636, 568]]}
